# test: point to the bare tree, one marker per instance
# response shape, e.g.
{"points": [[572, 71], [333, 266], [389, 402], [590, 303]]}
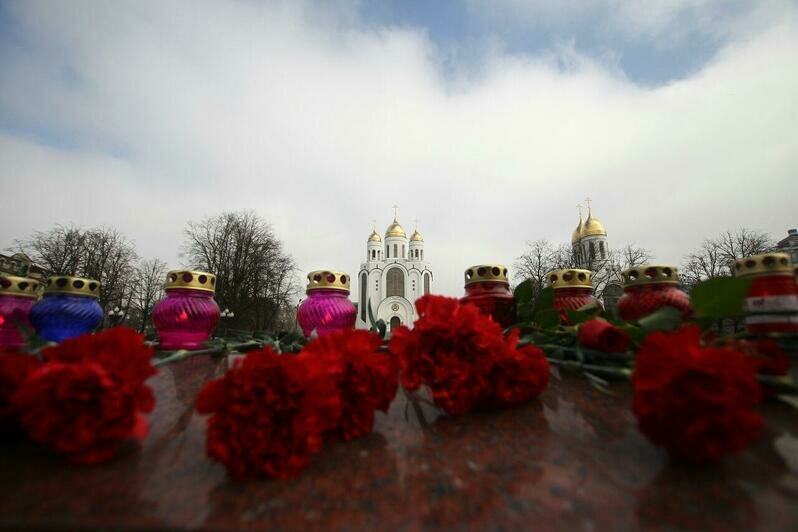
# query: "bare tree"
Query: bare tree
{"points": [[147, 290], [253, 273], [716, 256], [61, 250], [534, 263], [101, 253]]}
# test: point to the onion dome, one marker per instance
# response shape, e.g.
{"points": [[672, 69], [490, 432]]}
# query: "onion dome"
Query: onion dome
{"points": [[395, 230], [416, 237], [577, 234], [374, 237], [592, 226]]}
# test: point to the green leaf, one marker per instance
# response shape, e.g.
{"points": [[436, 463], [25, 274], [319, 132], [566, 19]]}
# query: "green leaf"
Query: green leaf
{"points": [[524, 293], [719, 297], [545, 299], [579, 316], [548, 318], [665, 319], [381, 327]]}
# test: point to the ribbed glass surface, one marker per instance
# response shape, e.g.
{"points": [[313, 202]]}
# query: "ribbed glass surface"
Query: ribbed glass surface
{"points": [[14, 310], [57, 317], [185, 318], [326, 311]]}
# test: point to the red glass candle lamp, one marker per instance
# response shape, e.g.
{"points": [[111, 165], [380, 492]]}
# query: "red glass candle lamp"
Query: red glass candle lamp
{"points": [[487, 287], [327, 307], [648, 288], [772, 296], [188, 314], [17, 297], [573, 289]]}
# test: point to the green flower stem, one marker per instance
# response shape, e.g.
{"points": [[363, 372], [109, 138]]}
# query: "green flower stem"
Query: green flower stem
{"points": [[604, 371], [183, 354], [780, 385]]}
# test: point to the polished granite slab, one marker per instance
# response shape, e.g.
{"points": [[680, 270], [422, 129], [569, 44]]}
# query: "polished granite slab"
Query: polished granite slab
{"points": [[572, 460]]}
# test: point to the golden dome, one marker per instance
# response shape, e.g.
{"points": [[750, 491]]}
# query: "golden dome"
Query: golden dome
{"points": [[374, 237], [416, 237], [395, 230], [592, 226], [577, 234]]}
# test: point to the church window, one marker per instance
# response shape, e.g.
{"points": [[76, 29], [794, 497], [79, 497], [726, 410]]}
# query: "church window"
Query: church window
{"points": [[426, 283], [373, 254], [403, 252], [396, 282], [363, 288], [396, 251], [602, 251], [592, 251], [395, 322], [422, 254]]}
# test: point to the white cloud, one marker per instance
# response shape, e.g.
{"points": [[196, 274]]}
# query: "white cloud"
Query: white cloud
{"points": [[321, 125]]}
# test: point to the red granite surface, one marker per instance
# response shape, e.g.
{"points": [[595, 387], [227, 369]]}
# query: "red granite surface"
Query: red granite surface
{"points": [[572, 460]]}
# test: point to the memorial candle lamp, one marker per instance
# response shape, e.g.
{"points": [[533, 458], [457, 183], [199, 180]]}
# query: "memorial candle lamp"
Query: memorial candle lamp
{"points": [[187, 315], [772, 297], [17, 297], [648, 288], [487, 287], [68, 308], [327, 307], [573, 289]]}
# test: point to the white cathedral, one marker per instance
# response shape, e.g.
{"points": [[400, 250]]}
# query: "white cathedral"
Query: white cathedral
{"points": [[393, 276]]}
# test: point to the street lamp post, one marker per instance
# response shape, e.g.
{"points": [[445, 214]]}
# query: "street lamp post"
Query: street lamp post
{"points": [[226, 315], [116, 315]]}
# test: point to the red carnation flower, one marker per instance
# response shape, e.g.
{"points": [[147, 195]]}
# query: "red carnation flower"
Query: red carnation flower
{"points": [[519, 374], [461, 355], [89, 396], [367, 380], [451, 349], [695, 401], [601, 335], [269, 413], [14, 369], [769, 356]]}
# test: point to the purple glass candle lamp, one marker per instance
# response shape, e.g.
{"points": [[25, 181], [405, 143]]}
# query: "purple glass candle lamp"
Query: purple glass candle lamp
{"points": [[69, 308], [487, 287], [327, 307], [188, 314], [17, 297]]}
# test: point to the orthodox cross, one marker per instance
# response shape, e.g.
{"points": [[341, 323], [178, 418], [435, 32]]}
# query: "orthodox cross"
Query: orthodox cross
{"points": [[374, 225], [395, 208], [416, 222], [588, 200], [579, 208]]}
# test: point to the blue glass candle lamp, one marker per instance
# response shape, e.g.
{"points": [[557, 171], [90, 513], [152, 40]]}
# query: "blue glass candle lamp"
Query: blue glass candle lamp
{"points": [[68, 308]]}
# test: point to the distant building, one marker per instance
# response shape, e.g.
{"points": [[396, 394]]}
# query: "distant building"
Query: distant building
{"points": [[394, 275], [21, 265], [789, 245]]}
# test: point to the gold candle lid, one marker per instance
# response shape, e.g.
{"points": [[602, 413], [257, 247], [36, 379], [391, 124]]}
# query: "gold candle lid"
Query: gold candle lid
{"points": [[78, 286], [570, 278], [328, 279], [490, 273], [764, 264], [650, 274], [12, 285], [194, 280]]}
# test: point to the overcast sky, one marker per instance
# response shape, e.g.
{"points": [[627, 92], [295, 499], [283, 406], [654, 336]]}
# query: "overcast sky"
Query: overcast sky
{"points": [[486, 121]]}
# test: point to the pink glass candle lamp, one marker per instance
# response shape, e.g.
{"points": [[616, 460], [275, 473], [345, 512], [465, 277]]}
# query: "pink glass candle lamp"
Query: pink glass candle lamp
{"points": [[327, 307], [17, 296], [188, 314]]}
